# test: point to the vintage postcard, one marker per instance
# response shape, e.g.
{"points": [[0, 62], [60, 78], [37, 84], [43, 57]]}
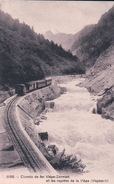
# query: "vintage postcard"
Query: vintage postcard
{"points": [[56, 92]]}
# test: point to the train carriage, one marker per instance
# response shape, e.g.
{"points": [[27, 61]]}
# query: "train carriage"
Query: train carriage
{"points": [[30, 86], [48, 81], [40, 84]]}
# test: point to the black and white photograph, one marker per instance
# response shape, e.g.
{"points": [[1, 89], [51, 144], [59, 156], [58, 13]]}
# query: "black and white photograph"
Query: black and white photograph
{"points": [[56, 92]]}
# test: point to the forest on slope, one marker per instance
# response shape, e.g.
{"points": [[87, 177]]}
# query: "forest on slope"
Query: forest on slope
{"points": [[26, 55]]}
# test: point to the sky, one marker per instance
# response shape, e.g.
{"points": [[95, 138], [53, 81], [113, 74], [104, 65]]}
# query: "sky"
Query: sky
{"points": [[61, 16]]}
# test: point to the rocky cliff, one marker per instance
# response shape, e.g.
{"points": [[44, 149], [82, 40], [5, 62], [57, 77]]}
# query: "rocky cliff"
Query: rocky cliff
{"points": [[89, 47], [98, 48], [100, 81]]}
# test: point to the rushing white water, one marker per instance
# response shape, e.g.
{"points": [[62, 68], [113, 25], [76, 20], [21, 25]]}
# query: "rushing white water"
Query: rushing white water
{"points": [[73, 126]]}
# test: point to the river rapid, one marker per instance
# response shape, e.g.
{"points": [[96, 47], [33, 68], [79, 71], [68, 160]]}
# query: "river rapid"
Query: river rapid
{"points": [[72, 125]]}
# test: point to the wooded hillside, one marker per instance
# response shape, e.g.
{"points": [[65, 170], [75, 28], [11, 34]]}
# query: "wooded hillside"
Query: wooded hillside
{"points": [[26, 55]]}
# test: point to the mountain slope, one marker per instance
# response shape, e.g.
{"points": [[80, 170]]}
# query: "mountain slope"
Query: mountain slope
{"points": [[26, 56], [59, 38], [89, 47], [100, 78], [100, 81], [67, 40]]}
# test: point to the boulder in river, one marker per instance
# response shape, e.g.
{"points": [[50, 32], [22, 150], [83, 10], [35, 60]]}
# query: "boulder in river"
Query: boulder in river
{"points": [[49, 104], [43, 136]]}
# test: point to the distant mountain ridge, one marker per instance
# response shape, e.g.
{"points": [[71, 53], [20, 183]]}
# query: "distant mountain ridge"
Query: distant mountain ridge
{"points": [[67, 40], [59, 38]]}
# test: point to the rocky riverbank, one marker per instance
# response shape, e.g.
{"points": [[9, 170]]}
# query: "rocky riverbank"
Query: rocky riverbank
{"points": [[105, 105], [72, 125], [32, 109], [100, 81]]}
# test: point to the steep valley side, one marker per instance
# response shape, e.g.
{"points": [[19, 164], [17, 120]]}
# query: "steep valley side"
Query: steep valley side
{"points": [[100, 80]]}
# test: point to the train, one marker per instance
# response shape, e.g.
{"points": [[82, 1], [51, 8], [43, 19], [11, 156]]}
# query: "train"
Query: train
{"points": [[22, 89]]}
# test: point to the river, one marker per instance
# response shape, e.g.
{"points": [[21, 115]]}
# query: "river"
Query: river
{"points": [[72, 125]]}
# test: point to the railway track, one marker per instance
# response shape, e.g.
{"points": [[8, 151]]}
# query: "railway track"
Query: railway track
{"points": [[30, 155]]}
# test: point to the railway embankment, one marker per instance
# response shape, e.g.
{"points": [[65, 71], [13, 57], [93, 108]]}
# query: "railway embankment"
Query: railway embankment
{"points": [[32, 108]]}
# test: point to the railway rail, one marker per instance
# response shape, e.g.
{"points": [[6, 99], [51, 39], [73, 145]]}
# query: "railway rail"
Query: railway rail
{"points": [[29, 153]]}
